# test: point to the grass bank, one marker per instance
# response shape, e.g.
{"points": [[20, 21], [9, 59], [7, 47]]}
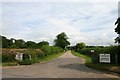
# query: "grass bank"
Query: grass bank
{"points": [[46, 58], [99, 66], [51, 57]]}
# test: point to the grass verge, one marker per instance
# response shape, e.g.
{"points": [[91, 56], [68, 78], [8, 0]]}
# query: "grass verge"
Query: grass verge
{"points": [[9, 64], [51, 57], [98, 66]]}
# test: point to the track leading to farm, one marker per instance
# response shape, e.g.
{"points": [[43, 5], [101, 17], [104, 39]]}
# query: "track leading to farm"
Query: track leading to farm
{"points": [[66, 66]]}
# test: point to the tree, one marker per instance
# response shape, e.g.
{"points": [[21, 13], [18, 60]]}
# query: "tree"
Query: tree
{"points": [[117, 30], [18, 43], [31, 44], [79, 46], [40, 44], [61, 40], [6, 43]]}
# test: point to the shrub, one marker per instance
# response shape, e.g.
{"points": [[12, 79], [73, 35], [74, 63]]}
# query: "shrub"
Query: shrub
{"points": [[48, 50], [8, 57], [113, 50], [25, 62], [31, 56]]}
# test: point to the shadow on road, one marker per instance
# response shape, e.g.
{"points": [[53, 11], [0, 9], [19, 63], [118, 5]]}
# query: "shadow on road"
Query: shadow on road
{"points": [[78, 67]]}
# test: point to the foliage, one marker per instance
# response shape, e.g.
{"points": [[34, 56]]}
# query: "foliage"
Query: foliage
{"points": [[8, 57], [52, 56], [40, 44], [61, 40], [98, 50], [31, 44], [18, 44], [51, 49], [117, 30], [9, 64], [80, 46], [6, 43], [31, 56], [105, 67]]}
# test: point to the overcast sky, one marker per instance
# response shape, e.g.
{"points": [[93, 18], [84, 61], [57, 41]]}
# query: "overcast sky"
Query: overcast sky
{"points": [[89, 22]]}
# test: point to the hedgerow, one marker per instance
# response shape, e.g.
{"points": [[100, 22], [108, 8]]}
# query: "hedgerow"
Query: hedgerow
{"points": [[31, 56]]}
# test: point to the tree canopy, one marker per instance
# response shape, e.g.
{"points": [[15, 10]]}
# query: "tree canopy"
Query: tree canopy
{"points": [[61, 40], [20, 43], [40, 44], [117, 30], [79, 46]]}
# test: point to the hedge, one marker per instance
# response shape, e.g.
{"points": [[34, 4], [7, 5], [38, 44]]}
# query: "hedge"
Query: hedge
{"points": [[31, 56], [112, 50]]}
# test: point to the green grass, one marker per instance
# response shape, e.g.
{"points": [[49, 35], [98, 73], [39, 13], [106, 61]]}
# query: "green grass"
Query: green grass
{"points": [[9, 64], [99, 66], [87, 58], [52, 56], [0, 63]]}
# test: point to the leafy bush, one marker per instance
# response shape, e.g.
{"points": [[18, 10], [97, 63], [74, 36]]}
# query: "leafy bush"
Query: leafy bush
{"points": [[10, 64], [98, 50], [48, 50], [31, 56], [25, 62], [113, 50], [8, 57]]}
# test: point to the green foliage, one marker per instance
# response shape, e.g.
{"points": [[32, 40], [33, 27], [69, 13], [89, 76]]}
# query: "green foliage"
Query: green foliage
{"points": [[105, 67], [113, 50], [31, 56], [37, 55], [6, 57], [98, 50], [13, 43], [31, 44], [117, 30], [18, 44], [51, 49], [6, 43], [80, 46], [61, 40], [40, 44], [25, 62], [9, 64]]}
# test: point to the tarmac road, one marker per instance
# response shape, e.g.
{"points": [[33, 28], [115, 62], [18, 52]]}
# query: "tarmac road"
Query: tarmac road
{"points": [[66, 66]]}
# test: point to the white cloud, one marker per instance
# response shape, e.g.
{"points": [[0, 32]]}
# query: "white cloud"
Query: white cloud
{"points": [[83, 21]]}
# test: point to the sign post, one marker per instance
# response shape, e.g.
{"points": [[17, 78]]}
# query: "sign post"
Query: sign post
{"points": [[19, 56], [105, 58], [92, 51]]}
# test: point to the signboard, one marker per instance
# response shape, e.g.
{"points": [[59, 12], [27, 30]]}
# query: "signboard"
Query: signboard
{"points": [[105, 58], [19, 56], [92, 51]]}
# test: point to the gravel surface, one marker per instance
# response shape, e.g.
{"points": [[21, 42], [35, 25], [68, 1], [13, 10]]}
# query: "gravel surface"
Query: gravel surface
{"points": [[66, 66]]}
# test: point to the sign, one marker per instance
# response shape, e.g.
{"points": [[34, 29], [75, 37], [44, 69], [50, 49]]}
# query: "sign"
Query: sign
{"points": [[105, 58], [92, 51], [19, 56]]}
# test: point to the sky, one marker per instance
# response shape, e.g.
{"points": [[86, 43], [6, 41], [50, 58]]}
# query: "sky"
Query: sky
{"points": [[86, 21]]}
